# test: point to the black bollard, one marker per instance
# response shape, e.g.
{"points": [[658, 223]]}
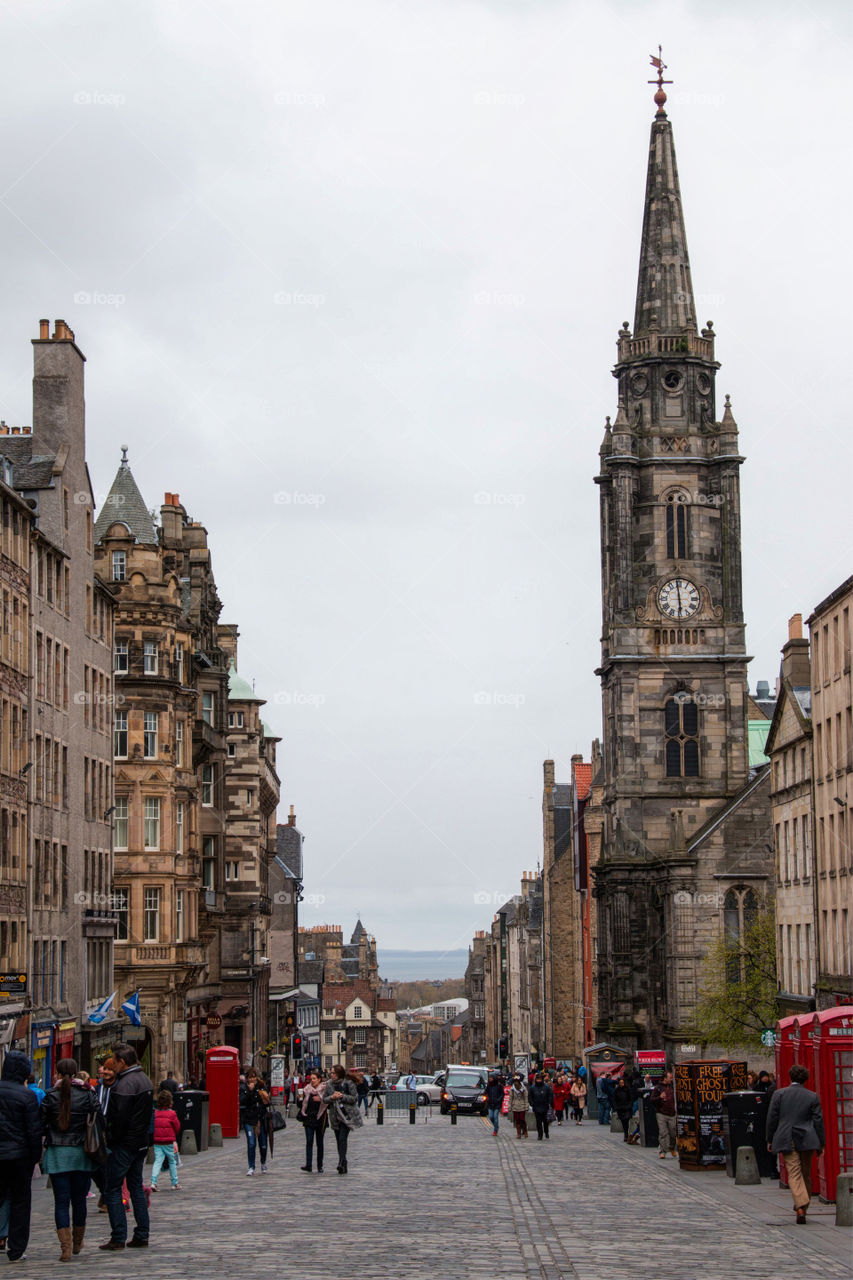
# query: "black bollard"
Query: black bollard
{"points": [[453, 1113], [380, 1111], [413, 1106]]}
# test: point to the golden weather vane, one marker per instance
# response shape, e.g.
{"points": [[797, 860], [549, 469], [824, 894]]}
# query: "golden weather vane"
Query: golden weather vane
{"points": [[660, 66]]}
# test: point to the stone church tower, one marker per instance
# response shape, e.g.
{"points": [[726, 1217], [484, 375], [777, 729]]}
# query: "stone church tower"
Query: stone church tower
{"points": [[685, 824]]}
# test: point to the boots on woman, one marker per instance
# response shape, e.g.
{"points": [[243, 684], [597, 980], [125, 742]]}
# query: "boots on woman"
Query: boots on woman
{"points": [[64, 1234], [77, 1234]]}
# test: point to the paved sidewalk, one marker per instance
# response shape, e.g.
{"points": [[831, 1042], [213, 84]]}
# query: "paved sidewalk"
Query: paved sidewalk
{"points": [[432, 1201]]}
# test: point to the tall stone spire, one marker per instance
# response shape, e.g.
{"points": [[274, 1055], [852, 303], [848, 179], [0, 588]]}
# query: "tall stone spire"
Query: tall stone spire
{"points": [[664, 288]]}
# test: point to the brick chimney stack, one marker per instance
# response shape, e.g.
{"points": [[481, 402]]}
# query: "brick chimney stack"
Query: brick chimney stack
{"points": [[796, 666]]}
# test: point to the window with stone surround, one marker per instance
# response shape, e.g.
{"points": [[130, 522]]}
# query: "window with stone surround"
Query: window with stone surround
{"points": [[740, 911], [676, 509], [681, 732]]}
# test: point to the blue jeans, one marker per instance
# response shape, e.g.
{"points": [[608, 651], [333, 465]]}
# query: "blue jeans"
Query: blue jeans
{"points": [[252, 1141], [69, 1197], [362, 1098], [604, 1109], [495, 1117], [164, 1153], [123, 1163]]}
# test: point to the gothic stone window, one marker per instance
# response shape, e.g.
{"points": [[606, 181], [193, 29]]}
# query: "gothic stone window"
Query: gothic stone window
{"points": [[676, 525], [681, 730], [740, 910]]}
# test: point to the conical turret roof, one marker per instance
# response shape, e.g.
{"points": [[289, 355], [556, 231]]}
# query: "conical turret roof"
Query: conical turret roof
{"points": [[125, 504], [664, 288]]}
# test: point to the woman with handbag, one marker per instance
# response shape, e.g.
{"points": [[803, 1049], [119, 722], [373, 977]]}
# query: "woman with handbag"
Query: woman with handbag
{"points": [[73, 1126], [254, 1101], [342, 1096], [312, 1113], [578, 1095]]}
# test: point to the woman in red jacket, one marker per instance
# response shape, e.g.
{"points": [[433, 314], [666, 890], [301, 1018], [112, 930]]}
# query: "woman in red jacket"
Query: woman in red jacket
{"points": [[561, 1096], [167, 1126]]}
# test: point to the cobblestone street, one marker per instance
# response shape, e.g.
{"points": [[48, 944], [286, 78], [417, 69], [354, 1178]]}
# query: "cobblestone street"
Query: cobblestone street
{"points": [[439, 1202]]}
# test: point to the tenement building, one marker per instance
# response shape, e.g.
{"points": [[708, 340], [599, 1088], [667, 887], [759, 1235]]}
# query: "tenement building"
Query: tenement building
{"points": [[686, 841], [789, 746], [156, 808], [14, 736], [65, 743], [832, 718]]}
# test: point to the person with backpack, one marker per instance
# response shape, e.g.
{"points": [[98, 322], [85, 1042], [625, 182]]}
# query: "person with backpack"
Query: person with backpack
{"points": [[20, 1149], [167, 1128], [65, 1114]]}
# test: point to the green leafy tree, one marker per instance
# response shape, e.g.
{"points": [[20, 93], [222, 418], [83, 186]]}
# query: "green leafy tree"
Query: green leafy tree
{"points": [[737, 996]]}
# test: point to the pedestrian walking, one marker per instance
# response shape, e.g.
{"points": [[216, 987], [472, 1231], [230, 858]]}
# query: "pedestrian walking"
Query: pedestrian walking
{"points": [[494, 1099], [377, 1087], [33, 1084], [362, 1088], [561, 1096], [170, 1083], [65, 1114], [542, 1102], [167, 1128], [623, 1104], [254, 1101], [663, 1101], [128, 1120], [20, 1149], [342, 1104], [518, 1106], [795, 1132], [578, 1096], [314, 1118]]}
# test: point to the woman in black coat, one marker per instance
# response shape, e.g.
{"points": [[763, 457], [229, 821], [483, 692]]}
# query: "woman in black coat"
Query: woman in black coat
{"points": [[623, 1104], [254, 1101], [20, 1147], [541, 1100]]}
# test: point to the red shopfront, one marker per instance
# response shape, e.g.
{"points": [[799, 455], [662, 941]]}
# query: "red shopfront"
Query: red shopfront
{"points": [[63, 1043], [832, 1048]]}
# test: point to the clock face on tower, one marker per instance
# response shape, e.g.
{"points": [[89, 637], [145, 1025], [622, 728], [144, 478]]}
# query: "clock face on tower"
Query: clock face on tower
{"points": [[678, 598]]}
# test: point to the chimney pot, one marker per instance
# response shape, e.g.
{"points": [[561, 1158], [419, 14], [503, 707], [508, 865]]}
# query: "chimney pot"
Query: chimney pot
{"points": [[44, 330], [795, 627]]}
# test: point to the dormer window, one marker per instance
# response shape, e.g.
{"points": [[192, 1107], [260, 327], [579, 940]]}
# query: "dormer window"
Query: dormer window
{"points": [[119, 566]]}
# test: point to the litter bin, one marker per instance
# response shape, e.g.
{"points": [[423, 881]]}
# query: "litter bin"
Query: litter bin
{"points": [[648, 1121], [744, 1119], [192, 1109]]}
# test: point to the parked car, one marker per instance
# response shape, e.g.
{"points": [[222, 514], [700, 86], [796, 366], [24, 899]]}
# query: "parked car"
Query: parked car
{"points": [[464, 1086], [425, 1087]]}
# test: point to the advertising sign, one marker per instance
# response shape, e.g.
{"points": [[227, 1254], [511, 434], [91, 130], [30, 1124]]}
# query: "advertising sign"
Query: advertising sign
{"points": [[13, 984], [699, 1089], [651, 1062]]}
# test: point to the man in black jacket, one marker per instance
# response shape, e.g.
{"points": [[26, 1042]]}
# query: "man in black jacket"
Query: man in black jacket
{"points": [[20, 1148], [128, 1138]]}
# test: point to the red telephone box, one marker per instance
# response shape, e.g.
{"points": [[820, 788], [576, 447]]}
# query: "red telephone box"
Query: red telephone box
{"points": [[222, 1081], [833, 1081]]}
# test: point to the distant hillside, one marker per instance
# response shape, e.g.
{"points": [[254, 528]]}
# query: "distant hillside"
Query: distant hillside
{"points": [[421, 966], [414, 995]]}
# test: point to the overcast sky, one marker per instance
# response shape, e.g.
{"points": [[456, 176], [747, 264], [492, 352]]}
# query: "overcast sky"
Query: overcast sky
{"points": [[348, 277]]}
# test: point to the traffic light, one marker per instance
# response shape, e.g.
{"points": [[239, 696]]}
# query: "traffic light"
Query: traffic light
{"points": [[343, 1044], [503, 1047], [296, 1046]]}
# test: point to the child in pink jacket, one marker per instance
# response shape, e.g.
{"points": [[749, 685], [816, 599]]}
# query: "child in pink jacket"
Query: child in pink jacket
{"points": [[167, 1126]]}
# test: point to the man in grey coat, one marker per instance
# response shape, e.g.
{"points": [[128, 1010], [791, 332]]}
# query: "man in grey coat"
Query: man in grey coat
{"points": [[795, 1131]]}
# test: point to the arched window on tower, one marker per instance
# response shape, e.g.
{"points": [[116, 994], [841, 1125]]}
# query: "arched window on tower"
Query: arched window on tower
{"points": [[740, 912], [681, 734], [676, 525]]}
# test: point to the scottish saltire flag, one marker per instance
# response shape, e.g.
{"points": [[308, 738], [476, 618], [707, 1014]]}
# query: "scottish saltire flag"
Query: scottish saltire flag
{"points": [[98, 1014], [131, 1008]]}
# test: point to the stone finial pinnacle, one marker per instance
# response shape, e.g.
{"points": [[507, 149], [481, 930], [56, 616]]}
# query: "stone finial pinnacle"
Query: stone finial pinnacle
{"points": [[660, 97], [124, 455]]}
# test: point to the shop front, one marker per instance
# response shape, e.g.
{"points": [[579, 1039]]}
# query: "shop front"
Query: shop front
{"points": [[41, 1052], [63, 1043]]}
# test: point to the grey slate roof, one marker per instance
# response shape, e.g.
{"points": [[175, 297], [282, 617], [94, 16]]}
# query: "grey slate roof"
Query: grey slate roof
{"points": [[803, 694], [288, 849], [36, 473], [358, 932], [311, 970], [125, 503]]}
